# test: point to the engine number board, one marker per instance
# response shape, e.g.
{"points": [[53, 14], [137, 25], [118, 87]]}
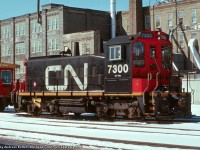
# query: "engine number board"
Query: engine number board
{"points": [[146, 35]]}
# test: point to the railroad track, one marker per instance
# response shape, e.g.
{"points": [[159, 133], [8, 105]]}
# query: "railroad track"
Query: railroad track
{"points": [[95, 118], [43, 128], [130, 128], [109, 140]]}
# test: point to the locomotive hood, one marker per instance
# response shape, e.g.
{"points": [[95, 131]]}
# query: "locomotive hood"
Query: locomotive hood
{"points": [[121, 40]]}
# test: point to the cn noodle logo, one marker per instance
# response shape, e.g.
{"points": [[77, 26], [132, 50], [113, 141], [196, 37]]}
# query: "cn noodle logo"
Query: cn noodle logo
{"points": [[68, 69]]}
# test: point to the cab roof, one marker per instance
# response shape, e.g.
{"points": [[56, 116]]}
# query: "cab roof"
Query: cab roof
{"points": [[121, 40]]}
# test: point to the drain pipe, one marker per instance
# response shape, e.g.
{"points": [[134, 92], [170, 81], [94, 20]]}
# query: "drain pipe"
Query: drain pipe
{"points": [[113, 17]]}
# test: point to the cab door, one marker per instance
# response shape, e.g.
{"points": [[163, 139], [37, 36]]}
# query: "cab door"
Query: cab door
{"points": [[153, 60], [166, 61]]}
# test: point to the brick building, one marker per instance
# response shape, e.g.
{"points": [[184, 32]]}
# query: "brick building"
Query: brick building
{"points": [[84, 30], [167, 15], [23, 37]]}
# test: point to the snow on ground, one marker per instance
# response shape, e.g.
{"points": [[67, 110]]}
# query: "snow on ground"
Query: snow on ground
{"points": [[131, 131]]}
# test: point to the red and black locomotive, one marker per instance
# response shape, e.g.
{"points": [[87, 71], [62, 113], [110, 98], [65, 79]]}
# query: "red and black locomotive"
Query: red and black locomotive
{"points": [[133, 78]]}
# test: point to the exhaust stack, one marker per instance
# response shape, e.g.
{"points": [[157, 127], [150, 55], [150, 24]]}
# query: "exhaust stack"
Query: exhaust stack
{"points": [[113, 17]]}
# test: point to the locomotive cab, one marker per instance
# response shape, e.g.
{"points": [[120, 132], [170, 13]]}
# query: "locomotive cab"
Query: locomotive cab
{"points": [[139, 78], [138, 64], [151, 62]]}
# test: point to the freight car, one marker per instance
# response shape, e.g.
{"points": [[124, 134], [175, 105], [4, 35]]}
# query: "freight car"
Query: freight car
{"points": [[134, 78], [7, 72]]}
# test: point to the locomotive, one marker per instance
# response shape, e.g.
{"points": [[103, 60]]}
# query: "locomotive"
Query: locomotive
{"points": [[7, 79], [133, 78]]}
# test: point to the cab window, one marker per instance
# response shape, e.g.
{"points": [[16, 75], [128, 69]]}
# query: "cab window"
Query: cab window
{"points": [[138, 54], [6, 76], [152, 52], [166, 56], [115, 53]]}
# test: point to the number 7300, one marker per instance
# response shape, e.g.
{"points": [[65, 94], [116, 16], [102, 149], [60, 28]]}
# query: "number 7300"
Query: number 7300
{"points": [[119, 68]]}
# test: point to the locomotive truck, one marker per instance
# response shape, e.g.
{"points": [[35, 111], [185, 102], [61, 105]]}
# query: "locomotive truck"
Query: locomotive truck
{"points": [[133, 78]]}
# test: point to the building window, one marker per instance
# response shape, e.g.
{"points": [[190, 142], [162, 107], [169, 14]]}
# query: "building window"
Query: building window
{"points": [[138, 54], [169, 17], [180, 14], [20, 29], [158, 21], [5, 50], [194, 35], [5, 31], [21, 69], [53, 44], [20, 48], [181, 40], [35, 27], [193, 13], [52, 23], [127, 25], [166, 55], [147, 22], [36, 46]]}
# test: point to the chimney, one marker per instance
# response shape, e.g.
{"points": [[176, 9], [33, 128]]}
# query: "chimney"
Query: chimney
{"points": [[113, 17], [135, 16]]}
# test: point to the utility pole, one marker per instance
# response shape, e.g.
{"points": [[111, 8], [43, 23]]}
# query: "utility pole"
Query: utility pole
{"points": [[38, 11]]}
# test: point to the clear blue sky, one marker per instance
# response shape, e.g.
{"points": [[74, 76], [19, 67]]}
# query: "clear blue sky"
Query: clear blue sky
{"points": [[14, 8]]}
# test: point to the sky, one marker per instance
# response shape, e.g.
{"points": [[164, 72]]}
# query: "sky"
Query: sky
{"points": [[14, 8]]}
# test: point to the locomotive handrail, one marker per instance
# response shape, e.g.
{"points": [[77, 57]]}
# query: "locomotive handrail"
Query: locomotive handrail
{"points": [[149, 77], [189, 84], [14, 90], [157, 75]]}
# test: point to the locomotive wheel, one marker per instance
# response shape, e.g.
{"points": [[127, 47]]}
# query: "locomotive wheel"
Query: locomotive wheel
{"points": [[54, 110], [33, 109], [101, 111], [134, 112], [111, 114]]}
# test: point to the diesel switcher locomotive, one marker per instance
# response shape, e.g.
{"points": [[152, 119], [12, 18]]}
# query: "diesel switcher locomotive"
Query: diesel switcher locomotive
{"points": [[133, 78]]}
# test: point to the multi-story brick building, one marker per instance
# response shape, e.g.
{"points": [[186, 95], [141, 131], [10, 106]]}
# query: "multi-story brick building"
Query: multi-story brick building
{"points": [[62, 27], [23, 37], [167, 15]]}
